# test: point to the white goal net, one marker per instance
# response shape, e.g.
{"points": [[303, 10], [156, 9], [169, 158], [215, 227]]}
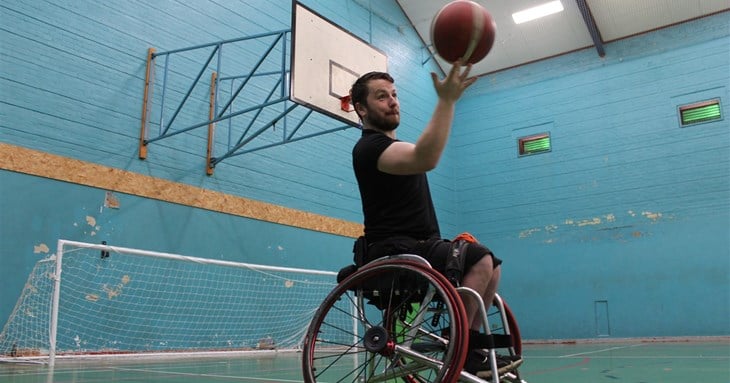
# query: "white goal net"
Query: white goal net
{"points": [[96, 299]]}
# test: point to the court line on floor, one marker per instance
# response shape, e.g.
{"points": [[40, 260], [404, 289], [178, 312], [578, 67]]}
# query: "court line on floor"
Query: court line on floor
{"points": [[247, 378], [583, 362], [600, 351]]}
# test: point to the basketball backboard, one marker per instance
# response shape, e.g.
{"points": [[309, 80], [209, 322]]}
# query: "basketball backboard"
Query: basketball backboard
{"points": [[326, 61]]}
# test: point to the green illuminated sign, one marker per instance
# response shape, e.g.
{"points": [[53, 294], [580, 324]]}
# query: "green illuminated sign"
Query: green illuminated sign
{"points": [[700, 112], [538, 143]]}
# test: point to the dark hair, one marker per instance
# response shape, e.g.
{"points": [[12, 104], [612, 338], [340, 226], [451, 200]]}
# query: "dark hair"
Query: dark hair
{"points": [[359, 90]]}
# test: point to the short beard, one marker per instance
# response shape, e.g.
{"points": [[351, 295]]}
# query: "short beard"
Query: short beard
{"points": [[383, 125]]}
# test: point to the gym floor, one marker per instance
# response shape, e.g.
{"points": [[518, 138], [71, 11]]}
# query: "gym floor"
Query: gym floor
{"points": [[628, 362]]}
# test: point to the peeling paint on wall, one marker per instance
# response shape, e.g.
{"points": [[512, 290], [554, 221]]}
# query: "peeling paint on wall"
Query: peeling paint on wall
{"points": [[609, 220], [110, 200], [91, 221], [586, 222], [92, 297], [652, 216], [113, 291], [528, 232], [40, 248]]}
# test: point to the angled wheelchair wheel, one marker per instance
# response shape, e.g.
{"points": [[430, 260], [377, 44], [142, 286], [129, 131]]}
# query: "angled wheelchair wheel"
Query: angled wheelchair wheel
{"points": [[514, 330], [395, 320]]}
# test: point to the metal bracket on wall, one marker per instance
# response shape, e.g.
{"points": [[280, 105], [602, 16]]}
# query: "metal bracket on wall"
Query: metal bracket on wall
{"points": [[265, 79]]}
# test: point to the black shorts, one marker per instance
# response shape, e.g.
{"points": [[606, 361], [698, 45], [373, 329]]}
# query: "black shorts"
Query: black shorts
{"points": [[435, 251]]}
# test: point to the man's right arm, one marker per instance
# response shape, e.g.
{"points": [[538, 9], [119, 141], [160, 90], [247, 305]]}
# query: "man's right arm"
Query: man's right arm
{"points": [[404, 158]]}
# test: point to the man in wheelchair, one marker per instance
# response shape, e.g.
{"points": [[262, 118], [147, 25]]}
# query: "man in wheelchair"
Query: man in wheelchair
{"points": [[398, 209]]}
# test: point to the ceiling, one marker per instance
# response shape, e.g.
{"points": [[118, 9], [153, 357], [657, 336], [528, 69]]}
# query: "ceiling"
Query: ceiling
{"points": [[567, 31]]}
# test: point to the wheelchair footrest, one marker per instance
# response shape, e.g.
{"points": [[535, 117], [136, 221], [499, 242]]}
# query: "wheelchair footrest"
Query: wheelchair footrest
{"points": [[505, 364]]}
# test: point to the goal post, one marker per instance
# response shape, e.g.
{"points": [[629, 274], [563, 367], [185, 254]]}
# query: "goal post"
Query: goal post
{"points": [[91, 299]]}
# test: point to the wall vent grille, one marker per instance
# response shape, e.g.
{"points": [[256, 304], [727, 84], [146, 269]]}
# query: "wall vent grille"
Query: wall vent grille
{"points": [[699, 112], [537, 143]]}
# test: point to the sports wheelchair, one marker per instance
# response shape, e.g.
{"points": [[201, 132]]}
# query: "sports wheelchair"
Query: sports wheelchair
{"points": [[396, 319]]}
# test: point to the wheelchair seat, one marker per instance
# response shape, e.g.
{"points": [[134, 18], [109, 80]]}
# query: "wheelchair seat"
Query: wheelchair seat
{"points": [[391, 289]]}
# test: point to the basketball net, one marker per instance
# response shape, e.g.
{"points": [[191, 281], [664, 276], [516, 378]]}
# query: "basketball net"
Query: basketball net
{"points": [[346, 103]]}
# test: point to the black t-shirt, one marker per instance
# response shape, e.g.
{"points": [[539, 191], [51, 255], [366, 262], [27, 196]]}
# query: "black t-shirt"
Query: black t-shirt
{"points": [[393, 205]]}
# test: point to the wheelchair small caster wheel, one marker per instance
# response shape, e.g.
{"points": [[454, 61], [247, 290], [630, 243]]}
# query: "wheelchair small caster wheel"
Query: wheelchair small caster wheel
{"points": [[376, 340]]}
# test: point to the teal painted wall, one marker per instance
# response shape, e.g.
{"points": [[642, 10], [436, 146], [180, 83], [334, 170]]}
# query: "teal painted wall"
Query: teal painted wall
{"points": [[72, 84], [72, 77], [628, 208]]}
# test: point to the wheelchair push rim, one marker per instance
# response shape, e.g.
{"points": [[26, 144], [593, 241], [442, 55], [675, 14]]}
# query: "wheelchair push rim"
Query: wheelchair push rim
{"points": [[413, 331]]}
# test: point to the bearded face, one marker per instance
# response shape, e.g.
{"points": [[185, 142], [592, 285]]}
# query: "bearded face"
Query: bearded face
{"points": [[382, 109], [384, 122]]}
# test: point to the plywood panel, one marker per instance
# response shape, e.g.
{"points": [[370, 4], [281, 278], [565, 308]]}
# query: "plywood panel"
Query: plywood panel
{"points": [[23, 160]]}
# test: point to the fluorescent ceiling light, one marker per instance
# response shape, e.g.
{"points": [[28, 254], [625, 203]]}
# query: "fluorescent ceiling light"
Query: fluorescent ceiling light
{"points": [[537, 12]]}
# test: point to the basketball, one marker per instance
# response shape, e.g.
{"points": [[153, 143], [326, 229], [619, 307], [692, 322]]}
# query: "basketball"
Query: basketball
{"points": [[463, 29]]}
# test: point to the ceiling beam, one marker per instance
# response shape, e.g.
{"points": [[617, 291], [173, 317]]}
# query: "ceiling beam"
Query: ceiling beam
{"points": [[591, 25]]}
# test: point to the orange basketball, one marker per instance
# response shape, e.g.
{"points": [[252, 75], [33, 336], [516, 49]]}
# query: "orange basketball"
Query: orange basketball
{"points": [[463, 29]]}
